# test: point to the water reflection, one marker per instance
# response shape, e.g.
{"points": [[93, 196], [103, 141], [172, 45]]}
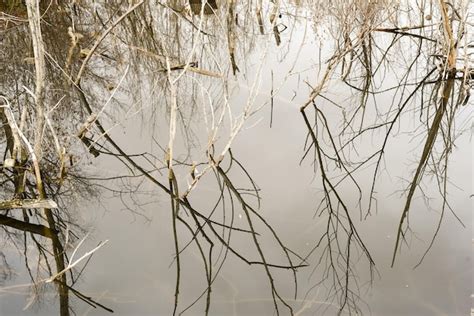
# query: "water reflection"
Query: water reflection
{"points": [[189, 84]]}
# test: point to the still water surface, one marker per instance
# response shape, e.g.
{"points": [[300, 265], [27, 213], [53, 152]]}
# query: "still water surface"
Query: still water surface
{"points": [[134, 273]]}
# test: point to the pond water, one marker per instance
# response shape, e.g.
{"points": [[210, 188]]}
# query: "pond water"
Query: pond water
{"points": [[257, 112]]}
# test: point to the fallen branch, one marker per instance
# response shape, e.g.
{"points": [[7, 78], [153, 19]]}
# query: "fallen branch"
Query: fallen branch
{"points": [[27, 203]]}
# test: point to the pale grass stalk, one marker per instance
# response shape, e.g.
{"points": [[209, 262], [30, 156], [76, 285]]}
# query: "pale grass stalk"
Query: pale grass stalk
{"points": [[173, 115], [53, 133], [48, 122], [113, 92], [237, 124], [211, 140], [96, 117], [193, 49], [102, 37], [236, 127], [14, 288], [75, 263], [29, 147]]}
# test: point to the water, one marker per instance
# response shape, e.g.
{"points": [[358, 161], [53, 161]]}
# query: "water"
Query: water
{"points": [[134, 272]]}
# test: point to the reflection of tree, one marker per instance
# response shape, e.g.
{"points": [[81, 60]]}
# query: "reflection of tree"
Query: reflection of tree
{"points": [[175, 59], [361, 56], [205, 231], [39, 164]]}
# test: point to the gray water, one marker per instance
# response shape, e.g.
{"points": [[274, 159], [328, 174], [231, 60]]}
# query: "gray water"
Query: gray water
{"points": [[134, 272]]}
